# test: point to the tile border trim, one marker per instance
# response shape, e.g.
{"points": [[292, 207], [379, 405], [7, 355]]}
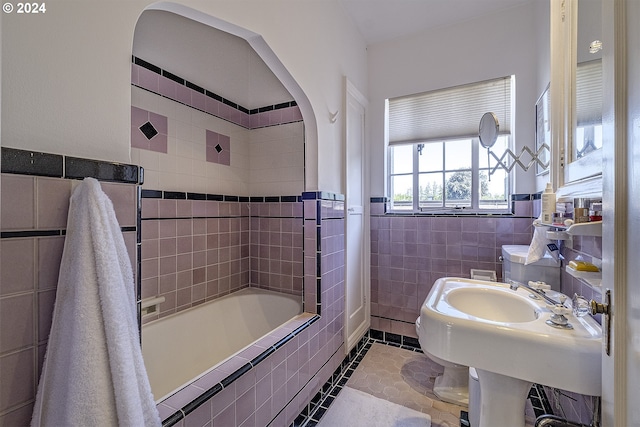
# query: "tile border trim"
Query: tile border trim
{"points": [[26, 162], [514, 198], [249, 119], [179, 195], [184, 82]]}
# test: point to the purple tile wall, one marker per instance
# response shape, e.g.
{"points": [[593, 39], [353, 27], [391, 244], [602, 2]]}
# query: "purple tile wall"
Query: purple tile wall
{"points": [[192, 251], [276, 246], [198, 250], [33, 207], [409, 253]]}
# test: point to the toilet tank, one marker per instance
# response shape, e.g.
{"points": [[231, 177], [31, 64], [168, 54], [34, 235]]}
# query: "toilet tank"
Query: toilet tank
{"points": [[546, 269]]}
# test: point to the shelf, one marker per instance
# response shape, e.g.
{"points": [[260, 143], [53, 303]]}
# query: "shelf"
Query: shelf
{"points": [[592, 228], [592, 278]]}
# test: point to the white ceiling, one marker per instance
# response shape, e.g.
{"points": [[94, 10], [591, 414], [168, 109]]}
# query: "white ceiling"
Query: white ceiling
{"points": [[227, 65], [383, 20]]}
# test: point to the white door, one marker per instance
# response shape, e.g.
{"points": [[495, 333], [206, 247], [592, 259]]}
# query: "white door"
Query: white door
{"points": [[357, 318], [621, 225]]}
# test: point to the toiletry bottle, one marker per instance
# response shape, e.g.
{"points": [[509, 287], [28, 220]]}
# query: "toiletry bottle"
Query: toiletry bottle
{"points": [[548, 204], [580, 210], [595, 213]]}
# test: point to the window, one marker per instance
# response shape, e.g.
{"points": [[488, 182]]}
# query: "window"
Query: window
{"points": [[452, 174], [435, 160]]}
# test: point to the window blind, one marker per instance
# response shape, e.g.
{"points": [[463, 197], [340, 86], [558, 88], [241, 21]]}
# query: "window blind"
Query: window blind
{"points": [[589, 93], [449, 113]]}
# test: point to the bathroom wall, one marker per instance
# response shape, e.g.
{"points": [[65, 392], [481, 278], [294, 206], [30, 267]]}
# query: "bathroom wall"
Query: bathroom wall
{"points": [[493, 45], [72, 95], [35, 200], [410, 252]]}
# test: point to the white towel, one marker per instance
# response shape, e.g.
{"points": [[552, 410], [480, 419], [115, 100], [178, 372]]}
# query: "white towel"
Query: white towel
{"points": [[93, 373], [538, 246]]}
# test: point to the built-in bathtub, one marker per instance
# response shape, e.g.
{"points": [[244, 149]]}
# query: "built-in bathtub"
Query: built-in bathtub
{"points": [[204, 342]]}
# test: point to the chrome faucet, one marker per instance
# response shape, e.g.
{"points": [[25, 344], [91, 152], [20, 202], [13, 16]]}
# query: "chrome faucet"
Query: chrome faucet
{"points": [[558, 309], [514, 285]]}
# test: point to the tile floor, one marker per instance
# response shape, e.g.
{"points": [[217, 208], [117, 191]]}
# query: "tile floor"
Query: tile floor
{"points": [[401, 375], [404, 377]]}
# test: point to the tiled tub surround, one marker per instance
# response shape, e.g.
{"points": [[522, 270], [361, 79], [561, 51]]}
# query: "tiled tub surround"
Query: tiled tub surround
{"points": [[206, 144], [410, 252], [34, 219], [198, 247], [272, 381]]}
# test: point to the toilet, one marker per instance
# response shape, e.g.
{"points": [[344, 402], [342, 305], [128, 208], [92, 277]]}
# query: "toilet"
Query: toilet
{"points": [[453, 385], [547, 269]]}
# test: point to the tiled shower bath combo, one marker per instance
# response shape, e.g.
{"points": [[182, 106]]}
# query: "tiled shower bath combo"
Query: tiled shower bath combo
{"points": [[270, 385]]}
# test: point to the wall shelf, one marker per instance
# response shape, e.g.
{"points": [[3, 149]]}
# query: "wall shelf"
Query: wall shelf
{"points": [[592, 278], [592, 228]]}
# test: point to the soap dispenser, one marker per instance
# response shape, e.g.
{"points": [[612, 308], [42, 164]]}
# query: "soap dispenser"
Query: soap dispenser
{"points": [[548, 204]]}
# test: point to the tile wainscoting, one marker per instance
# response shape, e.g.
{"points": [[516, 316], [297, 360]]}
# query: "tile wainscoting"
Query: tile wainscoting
{"points": [[36, 188]]}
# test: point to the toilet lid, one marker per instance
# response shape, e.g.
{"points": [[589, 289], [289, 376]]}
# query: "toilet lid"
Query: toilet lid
{"points": [[518, 254]]}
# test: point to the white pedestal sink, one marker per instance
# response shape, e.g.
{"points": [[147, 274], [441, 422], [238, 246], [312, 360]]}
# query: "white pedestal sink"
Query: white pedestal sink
{"points": [[503, 334]]}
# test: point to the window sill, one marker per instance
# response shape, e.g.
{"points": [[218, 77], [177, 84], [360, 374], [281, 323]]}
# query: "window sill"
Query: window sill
{"points": [[451, 212]]}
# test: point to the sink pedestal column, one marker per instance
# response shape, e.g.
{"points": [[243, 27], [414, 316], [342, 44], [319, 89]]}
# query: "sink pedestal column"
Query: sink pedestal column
{"points": [[502, 399]]}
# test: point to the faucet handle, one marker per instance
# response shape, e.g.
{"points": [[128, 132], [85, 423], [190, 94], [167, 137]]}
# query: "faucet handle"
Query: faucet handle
{"points": [[559, 309], [581, 307], [539, 285]]}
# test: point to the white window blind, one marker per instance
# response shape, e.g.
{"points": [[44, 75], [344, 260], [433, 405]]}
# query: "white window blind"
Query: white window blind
{"points": [[449, 113], [589, 93]]}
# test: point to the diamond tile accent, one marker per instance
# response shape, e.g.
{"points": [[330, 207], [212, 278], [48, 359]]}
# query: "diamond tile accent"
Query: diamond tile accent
{"points": [[148, 130], [218, 149]]}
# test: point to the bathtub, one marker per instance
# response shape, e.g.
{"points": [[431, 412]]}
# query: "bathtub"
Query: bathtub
{"points": [[179, 348]]}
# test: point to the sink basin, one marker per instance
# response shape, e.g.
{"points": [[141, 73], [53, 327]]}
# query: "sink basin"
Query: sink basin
{"points": [[494, 304], [503, 334]]}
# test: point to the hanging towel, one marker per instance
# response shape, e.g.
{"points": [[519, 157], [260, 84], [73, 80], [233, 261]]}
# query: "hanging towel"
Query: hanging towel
{"points": [[538, 246], [93, 373]]}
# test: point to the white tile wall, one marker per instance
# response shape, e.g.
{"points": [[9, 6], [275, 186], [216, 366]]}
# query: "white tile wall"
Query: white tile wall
{"points": [[264, 162]]}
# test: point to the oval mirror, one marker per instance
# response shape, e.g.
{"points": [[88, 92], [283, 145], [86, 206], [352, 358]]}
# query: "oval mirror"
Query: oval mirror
{"points": [[488, 132]]}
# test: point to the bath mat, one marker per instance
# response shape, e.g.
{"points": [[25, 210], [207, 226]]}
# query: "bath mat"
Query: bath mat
{"points": [[355, 408]]}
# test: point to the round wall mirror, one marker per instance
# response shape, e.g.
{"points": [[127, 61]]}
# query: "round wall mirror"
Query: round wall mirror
{"points": [[488, 131]]}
